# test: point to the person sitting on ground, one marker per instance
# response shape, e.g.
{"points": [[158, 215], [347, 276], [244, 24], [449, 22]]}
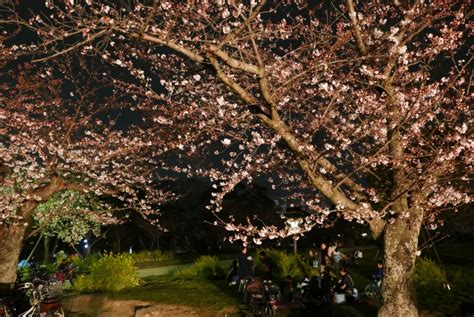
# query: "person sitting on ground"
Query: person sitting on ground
{"points": [[267, 266], [233, 274], [344, 284]]}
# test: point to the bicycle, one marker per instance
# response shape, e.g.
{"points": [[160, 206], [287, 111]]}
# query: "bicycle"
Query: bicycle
{"points": [[37, 302], [374, 289]]}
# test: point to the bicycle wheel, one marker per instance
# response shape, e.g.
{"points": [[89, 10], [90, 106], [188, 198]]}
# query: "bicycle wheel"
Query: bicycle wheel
{"points": [[370, 291], [56, 313]]}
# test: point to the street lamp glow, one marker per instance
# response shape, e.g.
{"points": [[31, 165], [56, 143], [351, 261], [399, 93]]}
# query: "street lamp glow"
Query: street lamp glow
{"points": [[294, 224]]}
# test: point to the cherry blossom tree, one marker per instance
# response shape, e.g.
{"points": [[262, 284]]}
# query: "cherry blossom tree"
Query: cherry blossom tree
{"points": [[360, 105], [58, 137]]}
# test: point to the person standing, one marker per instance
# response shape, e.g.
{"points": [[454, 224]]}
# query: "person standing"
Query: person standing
{"points": [[267, 266], [245, 268], [323, 250], [314, 259]]}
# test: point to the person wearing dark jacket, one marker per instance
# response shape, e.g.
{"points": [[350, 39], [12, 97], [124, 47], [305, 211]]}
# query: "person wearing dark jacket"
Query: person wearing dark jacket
{"points": [[267, 266], [344, 284], [245, 267]]}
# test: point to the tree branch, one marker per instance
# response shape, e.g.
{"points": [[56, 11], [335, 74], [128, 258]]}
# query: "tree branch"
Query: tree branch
{"points": [[355, 27], [176, 47], [235, 63], [71, 48]]}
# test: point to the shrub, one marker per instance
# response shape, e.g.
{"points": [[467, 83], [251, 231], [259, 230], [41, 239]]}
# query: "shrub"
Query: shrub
{"points": [[84, 265], [110, 273], [206, 267], [429, 279], [286, 264], [149, 256]]}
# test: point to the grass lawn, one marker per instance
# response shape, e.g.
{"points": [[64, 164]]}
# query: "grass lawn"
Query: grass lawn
{"points": [[210, 297], [205, 295], [213, 296], [180, 260]]}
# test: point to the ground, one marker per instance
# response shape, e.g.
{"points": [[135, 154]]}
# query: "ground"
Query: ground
{"points": [[162, 295]]}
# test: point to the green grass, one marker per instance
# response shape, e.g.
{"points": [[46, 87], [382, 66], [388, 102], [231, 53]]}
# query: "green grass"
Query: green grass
{"points": [[179, 260], [198, 293]]}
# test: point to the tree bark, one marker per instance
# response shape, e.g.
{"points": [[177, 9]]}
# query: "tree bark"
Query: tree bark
{"points": [[401, 246], [46, 247], [11, 238]]}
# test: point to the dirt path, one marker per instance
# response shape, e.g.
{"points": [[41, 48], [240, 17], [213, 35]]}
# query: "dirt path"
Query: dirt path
{"points": [[102, 306]]}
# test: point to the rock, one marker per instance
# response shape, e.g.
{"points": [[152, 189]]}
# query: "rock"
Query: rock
{"points": [[163, 310]]}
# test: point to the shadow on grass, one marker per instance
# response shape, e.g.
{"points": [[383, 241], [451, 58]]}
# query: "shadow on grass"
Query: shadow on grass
{"points": [[358, 309]]}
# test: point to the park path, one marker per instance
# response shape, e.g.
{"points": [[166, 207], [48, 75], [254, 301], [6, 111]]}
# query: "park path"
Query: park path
{"points": [[163, 270]]}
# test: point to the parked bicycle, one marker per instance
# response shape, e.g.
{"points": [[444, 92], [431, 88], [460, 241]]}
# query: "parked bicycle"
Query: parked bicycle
{"points": [[31, 299], [374, 289]]}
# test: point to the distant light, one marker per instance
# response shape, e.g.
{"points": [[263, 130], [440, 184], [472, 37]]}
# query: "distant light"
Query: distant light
{"points": [[86, 246], [293, 223], [364, 234], [130, 250], [85, 241]]}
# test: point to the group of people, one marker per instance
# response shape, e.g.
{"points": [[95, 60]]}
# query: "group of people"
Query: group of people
{"points": [[329, 260], [330, 255], [243, 267]]}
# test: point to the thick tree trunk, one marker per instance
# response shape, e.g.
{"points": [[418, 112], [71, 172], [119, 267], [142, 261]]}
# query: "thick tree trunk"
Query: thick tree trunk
{"points": [[401, 245], [11, 238]]}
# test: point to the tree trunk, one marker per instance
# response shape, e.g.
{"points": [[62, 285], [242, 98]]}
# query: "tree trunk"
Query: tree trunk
{"points": [[401, 246], [11, 238], [46, 244]]}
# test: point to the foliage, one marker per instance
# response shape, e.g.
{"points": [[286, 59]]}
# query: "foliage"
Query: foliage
{"points": [[70, 215], [84, 264], [430, 280], [286, 264], [428, 277], [110, 273], [43, 270], [206, 267], [155, 256]]}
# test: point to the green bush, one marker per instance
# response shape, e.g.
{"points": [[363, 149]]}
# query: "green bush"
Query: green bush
{"points": [[149, 256], [429, 279], [206, 267], [428, 276], [286, 264], [84, 265], [109, 273]]}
